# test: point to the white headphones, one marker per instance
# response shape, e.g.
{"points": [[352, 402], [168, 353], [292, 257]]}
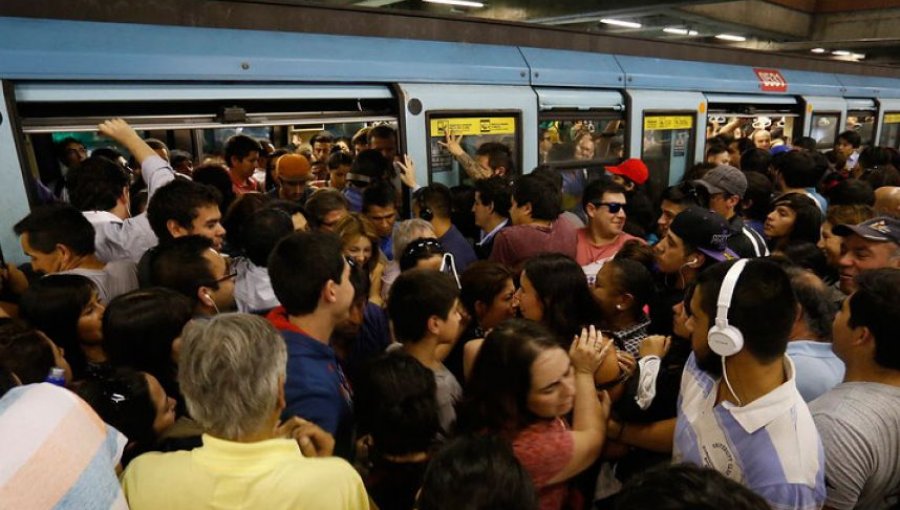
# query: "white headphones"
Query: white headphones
{"points": [[723, 338]]}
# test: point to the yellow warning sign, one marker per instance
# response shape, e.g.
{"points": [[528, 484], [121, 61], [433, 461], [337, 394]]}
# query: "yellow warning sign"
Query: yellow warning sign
{"points": [[474, 126], [668, 123], [892, 118]]}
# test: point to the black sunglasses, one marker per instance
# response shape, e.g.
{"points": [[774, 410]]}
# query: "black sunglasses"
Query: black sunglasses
{"points": [[614, 207]]}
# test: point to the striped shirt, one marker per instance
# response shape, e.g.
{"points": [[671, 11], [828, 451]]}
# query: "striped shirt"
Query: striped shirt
{"points": [[770, 445], [55, 452]]}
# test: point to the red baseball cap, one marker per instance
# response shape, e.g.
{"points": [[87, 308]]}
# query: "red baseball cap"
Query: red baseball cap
{"points": [[634, 169]]}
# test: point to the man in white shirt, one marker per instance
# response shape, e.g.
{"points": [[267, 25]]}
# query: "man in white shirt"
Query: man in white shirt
{"points": [[755, 428], [99, 188]]}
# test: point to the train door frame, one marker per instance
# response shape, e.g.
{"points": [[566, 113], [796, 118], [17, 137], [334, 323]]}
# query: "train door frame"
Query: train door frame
{"points": [[597, 110], [639, 103], [16, 196], [869, 106], [422, 101], [822, 106], [886, 107]]}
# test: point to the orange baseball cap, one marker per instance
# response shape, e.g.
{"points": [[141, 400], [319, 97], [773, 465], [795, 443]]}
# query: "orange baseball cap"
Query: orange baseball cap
{"points": [[293, 167]]}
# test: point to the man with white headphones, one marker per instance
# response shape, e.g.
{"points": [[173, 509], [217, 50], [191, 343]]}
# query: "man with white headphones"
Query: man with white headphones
{"points": [[740, 412]]}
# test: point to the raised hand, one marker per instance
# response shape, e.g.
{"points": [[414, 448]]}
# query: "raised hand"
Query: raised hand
{"points": [[589, 350]]}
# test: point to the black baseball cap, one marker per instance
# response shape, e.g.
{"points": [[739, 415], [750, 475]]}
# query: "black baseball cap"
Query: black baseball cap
{"points": [[706, 230]]}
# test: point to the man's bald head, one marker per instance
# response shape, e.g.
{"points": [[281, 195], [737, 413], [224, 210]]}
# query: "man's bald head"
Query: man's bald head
{"points": [[887, 201]]}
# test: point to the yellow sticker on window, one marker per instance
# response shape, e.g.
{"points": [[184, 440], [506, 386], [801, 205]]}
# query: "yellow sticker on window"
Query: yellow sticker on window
{"points": [[659, 123], [892, 118], [469, 126]]}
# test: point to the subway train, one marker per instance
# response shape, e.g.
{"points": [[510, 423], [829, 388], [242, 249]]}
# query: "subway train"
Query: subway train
{"points": [[193, 87]]}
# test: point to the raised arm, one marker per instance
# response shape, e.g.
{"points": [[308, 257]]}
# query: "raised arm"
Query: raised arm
{"points": [[472, 168], [590, 412], [120, 131]]}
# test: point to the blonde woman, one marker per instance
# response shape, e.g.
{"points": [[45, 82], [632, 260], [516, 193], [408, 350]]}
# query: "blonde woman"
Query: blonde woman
{"points": [[359, 242]]}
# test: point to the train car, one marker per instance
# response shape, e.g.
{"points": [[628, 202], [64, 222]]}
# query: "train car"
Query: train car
{"points": [[193, 87]]}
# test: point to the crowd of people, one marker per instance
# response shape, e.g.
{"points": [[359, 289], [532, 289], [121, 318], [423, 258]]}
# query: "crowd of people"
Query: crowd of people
{"points": [[266, 331]]}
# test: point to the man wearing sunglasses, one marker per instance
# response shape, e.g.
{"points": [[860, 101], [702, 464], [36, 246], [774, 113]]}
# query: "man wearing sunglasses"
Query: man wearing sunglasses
{"points": [[604, 204]]}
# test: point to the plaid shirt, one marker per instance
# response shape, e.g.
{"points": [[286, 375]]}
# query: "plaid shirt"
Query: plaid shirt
{"points": [[630, 338]]}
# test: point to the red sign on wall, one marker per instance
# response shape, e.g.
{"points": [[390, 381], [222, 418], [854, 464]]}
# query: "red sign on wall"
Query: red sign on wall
{"points": [[771, 80]]}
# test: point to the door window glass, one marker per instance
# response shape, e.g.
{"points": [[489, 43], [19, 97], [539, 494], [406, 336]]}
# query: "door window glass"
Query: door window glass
{"points": [[476, 130], [890, 132], [863, 122], [824, 129], [667, 149], [579, 148]]}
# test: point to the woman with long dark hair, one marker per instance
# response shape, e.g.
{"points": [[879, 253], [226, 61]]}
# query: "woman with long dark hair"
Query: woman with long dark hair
{"points": [[522, 388], [554, 292], [66, 308]]}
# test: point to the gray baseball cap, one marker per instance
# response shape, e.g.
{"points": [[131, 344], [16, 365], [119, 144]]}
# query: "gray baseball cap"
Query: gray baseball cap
{"points": [[724, 179]]}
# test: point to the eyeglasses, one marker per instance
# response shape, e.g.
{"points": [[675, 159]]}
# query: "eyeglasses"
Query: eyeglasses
{"points": [[614, 207], [230, 272], [228, 276]]}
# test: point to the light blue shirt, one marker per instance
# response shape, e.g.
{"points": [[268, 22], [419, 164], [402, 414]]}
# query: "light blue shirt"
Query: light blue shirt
{"points": [[818, 368], [117, 239], [821, 201], [770, 445]]}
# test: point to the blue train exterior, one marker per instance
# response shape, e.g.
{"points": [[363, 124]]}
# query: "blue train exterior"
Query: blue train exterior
{"points": [[66, 63]]}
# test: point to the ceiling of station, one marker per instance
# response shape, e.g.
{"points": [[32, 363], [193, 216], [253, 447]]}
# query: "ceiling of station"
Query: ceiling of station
{"points": [[853, 30]]}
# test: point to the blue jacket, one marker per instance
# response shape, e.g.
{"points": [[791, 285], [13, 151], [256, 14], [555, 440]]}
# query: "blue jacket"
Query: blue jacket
{"points": [[316, 389]]}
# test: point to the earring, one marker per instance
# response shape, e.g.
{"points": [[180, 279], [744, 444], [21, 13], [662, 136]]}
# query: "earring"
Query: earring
{"points": [[618, 307]]}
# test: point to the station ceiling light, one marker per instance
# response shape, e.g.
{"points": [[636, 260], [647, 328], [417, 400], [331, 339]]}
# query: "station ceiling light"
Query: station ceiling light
{"points": [[731, 37], [680, 31], [621, 23], [457, 3], [840, 53], [818, 50]]}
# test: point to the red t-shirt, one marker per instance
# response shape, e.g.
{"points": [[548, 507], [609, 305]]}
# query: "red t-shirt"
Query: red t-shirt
{"points": [[248, 186], [544, 449], [515, 245]]}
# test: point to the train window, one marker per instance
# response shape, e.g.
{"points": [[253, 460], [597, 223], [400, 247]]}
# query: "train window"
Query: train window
{"points": [[475, 130], [668, 142], [198, 127], [863, 122], [824, 129], [579, 147], [890, 131], [764, 130]]}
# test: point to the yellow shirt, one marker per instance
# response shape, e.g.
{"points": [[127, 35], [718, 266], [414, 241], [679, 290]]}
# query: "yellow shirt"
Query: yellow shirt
{"points": [[221, 474]]}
